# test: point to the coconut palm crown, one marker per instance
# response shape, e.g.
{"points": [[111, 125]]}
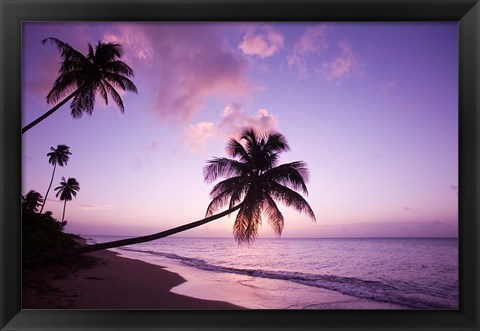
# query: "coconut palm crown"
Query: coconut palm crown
{"points": [[81, 77], [67, 190], [255, 180], [31, 201]]}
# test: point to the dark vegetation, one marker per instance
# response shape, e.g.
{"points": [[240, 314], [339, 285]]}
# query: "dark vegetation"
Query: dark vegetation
{"points": [[42, 233]]}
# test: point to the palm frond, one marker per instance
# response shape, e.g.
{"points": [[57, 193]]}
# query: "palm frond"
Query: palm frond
{"points": [[247, 222], [251, 145], [223, 191], [120, 81], [64, 84], [293, 175], [103, 92], [223, 167], [119, 67], [275, 142], [67, 52], [107, 52], [274, 216], [83, 101], [115, 96], [291, 199], [235, 148]]}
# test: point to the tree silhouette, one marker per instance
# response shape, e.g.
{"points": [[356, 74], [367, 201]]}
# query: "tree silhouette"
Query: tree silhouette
{"points": [[81, 77], [258, 181], [31, 201], [60, 156], [253, 184], [67, 190]]}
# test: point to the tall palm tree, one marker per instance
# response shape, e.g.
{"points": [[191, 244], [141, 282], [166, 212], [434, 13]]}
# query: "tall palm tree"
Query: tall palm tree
{"points": [[60, 156], [31, 201], [252, 185], [81, 77], [67, 190]]}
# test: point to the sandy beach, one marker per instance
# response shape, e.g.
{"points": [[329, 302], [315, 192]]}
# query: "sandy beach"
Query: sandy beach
{"points": [[109, 282]]}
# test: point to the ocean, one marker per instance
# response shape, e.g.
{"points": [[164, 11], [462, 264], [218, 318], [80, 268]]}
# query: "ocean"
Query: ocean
{"points": [[380, 273]]}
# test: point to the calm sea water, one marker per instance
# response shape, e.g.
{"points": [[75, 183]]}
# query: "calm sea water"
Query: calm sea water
{"points": [[412, 272]]}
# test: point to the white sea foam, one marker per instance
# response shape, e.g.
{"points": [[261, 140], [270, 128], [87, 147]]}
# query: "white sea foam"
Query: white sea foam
{"points": [[415, 273]]}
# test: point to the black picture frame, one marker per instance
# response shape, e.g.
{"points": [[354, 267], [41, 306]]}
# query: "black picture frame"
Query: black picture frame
{"points": [[14, 12]]}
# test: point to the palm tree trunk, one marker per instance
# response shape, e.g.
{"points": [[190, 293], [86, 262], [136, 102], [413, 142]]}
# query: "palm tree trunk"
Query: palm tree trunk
{"points": [[50, 112], [49, 186], [64, 205], [124, 242]]}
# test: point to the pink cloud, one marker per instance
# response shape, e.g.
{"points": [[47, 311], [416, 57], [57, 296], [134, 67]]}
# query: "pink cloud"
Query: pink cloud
{"points": [[233, 120], [189, 63], [138, 45], [178, 67], [94, 207], [198, 134], [312, 42], [264, 42], [345, 65]]}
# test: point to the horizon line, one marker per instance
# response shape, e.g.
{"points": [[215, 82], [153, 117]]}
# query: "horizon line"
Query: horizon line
{"points": [[276, 238]]}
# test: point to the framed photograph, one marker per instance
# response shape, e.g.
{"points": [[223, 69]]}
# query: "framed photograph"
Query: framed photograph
{"points": [[230, 165]]}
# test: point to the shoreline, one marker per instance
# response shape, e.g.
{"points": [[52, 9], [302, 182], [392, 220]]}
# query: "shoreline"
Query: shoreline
{"points": [[109, 282], [114, 279], [253, 292]]}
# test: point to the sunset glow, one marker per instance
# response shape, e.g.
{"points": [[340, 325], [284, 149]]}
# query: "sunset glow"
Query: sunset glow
{"points": [[372, 108]]}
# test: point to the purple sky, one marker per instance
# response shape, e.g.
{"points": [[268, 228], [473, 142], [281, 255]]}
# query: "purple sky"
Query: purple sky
{"points": [[371, 107]]}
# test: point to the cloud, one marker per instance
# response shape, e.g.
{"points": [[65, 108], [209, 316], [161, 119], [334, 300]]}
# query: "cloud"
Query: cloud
{"points": [[198, 134], [94, 207], [232, 121], [407, 208], [386, 88], [343, 66], [264, 42], [313, 41], [182, 65], [138, 45]]}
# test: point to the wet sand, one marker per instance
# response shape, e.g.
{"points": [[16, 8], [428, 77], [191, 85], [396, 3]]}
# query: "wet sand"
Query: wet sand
{"points": [[109, 282]]}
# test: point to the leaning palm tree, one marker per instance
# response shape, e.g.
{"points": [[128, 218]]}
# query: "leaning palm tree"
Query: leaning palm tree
{"points": [[60, 156], [67, 190], [253, 183], [81, 77], [31, 201]]}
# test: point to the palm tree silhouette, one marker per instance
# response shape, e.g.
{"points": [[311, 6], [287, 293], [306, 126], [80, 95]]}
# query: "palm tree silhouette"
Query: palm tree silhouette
{"points": [[67, 190], [82, 77], [31, 201], [257, 180], [253, 184], [60, 156]]}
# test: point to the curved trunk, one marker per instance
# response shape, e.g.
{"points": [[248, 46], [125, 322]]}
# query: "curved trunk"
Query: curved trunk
{"points": [[64, 205], [124, 242], [50, 112], [49, 186]]}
